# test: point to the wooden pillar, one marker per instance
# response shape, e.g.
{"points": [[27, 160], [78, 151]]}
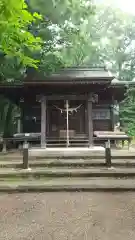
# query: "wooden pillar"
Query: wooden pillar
{"points": [[112, 114], [47, 122], [90, 121], [43, 122], [112, 120], [67, 123], [115, 115], [18, 125]]}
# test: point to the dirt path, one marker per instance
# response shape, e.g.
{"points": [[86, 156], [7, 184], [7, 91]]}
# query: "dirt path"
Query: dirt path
{"points": [[62, 216]]}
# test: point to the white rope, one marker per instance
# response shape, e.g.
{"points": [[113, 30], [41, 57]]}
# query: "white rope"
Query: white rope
{"points": [[71, 110]]}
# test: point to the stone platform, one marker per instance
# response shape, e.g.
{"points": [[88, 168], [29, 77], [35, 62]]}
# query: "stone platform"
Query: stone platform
{"points": [[67, 152]]}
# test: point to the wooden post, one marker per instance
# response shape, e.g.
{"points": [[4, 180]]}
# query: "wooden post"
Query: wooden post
{"points": [[90, 121], [25, 155], [4, 149], [43, 122], [115, 115], [129, 142], [18, 125], [112, 118], [108, 154], [86, 117], [67, 117], [112, 114]]}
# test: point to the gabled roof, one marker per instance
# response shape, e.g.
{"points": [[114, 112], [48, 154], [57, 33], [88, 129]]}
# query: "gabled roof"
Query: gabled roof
{"points": [[83, 73], [74, 74], [117, 83]]}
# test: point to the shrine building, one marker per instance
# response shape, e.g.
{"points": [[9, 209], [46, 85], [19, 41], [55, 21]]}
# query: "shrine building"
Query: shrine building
{"points": [[68, 106]]}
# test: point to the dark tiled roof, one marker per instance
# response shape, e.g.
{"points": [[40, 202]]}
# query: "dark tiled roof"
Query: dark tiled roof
{"points": [[74, 74], [118, 83], [88, 73]]}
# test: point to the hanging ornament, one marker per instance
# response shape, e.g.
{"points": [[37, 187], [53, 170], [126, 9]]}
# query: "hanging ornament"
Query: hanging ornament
{"points": [[70, 110]]}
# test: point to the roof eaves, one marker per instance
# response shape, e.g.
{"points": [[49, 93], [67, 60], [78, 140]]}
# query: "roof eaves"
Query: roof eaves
{"points": [[11, 85], [69, 79]]}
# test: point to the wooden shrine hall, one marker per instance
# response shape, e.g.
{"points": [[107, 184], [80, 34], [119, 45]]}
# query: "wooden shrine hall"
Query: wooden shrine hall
{"points": [[68, 106]]}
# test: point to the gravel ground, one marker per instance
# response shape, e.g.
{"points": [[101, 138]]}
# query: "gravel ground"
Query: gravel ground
{"points": [[67, 216]]}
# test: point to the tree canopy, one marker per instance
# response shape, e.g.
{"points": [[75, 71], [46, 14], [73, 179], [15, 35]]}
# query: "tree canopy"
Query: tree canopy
{"points": [[15, 38], [112, 33], [47, 42], [50, 34], [64, 32]]}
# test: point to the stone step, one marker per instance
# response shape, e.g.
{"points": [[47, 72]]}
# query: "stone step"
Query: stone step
{"points": [[68, 184], [94, 152], [68, 172], [116, 154], [67, 163]]}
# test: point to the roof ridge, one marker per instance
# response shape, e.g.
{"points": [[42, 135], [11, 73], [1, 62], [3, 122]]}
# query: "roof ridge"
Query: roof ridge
{"points": [[87, 68]]}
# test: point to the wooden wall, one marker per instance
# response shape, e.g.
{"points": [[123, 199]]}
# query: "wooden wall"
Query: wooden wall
{"points": [[56, 121]]}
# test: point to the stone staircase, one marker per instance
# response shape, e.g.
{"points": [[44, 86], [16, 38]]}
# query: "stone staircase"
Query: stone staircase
{"points": [[68, 174]]}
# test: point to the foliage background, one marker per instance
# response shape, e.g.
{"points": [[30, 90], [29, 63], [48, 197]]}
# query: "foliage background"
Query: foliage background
{"points": [[52, 34]]}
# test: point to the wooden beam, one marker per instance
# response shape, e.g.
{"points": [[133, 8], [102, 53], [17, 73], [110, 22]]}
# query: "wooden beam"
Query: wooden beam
{"points": [[90, 120], [43, 122], [76, 96]]}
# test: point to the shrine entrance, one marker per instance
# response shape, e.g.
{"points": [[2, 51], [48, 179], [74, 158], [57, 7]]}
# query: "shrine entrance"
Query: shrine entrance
{"points": [[67, 118]]}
